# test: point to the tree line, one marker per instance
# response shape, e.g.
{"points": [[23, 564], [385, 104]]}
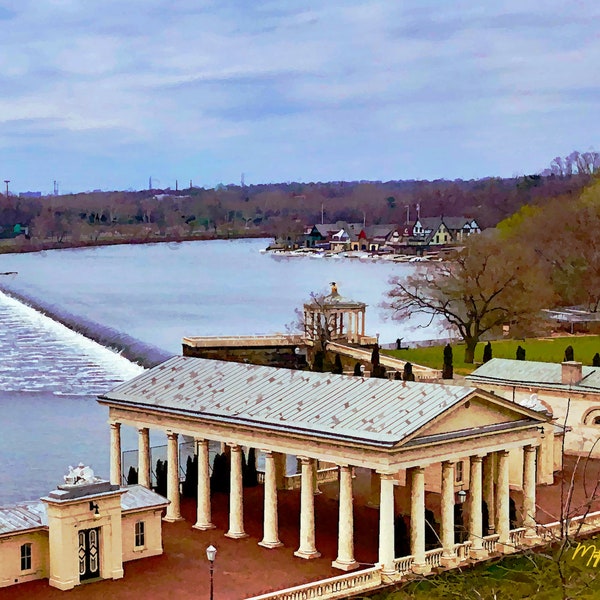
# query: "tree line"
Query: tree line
{"points": [[541, 257]]}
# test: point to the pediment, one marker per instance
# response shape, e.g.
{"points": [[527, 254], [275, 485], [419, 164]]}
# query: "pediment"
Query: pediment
{"points": [[479, 410]]}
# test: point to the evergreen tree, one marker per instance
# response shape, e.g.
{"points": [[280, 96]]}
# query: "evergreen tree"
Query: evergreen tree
{"points": [[219, 480], [448, 370], [375, 355], [398, 376], [338, 368], [319, 362], [407, 374], [132, 476], [596, 360], [161, 477], [520, 353], [190, 484], [249, 474], [357, 372], [487, 352], [569, 353]]}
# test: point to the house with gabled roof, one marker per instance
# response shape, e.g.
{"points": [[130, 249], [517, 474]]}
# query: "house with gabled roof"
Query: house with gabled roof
{"points": [[569, 391]]}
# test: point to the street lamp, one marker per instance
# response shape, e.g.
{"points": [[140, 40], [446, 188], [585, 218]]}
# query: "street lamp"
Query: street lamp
{"points": [[211, 553], [462, 496]]}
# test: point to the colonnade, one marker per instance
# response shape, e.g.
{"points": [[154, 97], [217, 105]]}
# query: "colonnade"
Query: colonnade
{"points": [[489, 481], [348, 322]]}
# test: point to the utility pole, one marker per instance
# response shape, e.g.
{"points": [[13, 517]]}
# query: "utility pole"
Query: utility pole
{"points": [[176, 185], [150, 183], [190, 184], [55, 188], [322, 213], [7, 181]]}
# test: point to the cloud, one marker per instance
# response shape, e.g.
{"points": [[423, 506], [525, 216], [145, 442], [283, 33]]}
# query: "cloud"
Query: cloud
{"points": [[342, 89]]}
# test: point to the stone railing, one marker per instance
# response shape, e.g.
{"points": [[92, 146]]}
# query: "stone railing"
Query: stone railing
{"points": [[294, 482], [433, 558], [462, 550], [246, 341], [516, 536], [403, 565], [490, 541], [328, 589], [589, 523]]}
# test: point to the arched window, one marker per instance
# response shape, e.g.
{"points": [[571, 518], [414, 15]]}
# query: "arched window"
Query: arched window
{"points": [[592, 417]]}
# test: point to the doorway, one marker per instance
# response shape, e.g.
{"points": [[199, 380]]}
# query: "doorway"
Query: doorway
{"points": [[89, 553]]}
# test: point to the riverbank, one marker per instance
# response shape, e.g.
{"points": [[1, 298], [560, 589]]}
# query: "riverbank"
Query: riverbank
{"points": [[21, 244]]}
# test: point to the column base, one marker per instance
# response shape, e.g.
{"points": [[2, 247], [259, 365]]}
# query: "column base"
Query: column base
{"points": [[478, 553], [420, 568], [307, 555], [374, 505], [118, 574], [203, 526], [276, 544], [344, 565], [236, 535], [449, 562], [169, 519], [62, 585]]}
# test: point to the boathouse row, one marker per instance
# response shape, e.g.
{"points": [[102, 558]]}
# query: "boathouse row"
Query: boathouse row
{"points": [[458, 442]]}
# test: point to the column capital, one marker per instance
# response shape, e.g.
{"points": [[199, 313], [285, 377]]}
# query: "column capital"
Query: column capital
{"points": [[234, 447], [417, 470], [477, 458], [142, 429], [386, 476], [115, 424], [529, 448], [305, 460], [199, 440], [449, 463], [172, 435]]}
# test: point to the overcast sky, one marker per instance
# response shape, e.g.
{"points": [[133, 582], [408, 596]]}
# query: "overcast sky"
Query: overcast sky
{"points": [[107, 93]]}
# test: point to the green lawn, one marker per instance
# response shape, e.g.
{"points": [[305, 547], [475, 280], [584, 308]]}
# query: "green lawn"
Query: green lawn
{"points": [[542, 349]]}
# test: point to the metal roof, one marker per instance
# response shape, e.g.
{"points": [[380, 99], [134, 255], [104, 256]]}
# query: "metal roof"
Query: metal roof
{"points": [[375, 411], [25, 516], [532, 373]]}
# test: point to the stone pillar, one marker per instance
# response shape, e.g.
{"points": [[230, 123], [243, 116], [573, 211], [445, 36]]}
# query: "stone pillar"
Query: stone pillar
{"points": [[417, 519], [236, 495], [386, 523], [363, 322], [173, 509], [307, 547], [449, 558], [529, 482], [475, 520], [203, 508], [488, 492], [345, 558], [144, 457], [116, 477], [502, 498], [270, 518], [315, 477]]}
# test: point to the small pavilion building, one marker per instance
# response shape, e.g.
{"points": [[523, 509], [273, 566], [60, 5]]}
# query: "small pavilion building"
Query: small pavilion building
{"points": [[82, 531], [426, 448]]}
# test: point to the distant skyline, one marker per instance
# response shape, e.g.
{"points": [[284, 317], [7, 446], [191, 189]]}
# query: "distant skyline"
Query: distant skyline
{"points": [[105, 94]]}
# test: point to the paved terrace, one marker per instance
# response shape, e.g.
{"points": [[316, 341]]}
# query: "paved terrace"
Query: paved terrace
{"points": [[242, 568]]}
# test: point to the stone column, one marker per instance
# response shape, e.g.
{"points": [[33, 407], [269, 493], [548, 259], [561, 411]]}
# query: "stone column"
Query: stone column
{"points": [[115, 454], [417, 519], [270, 518], [144, 457], [236, 495], [203, 508], [488, 492], [529, 481], [307, 547], [475, 520], [363, 322], [345, 558], [173, 509], [502, 498], [386, 523], [449, 558], [315, 477]]}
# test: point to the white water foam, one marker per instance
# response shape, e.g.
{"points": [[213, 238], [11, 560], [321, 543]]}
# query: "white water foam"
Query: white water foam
{"points": [[113, 363]]}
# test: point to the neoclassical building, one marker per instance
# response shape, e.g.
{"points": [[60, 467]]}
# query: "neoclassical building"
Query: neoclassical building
{"points": [[450, 441]]}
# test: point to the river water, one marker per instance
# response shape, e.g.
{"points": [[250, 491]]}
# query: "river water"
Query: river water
{"points": [[145, 297]]}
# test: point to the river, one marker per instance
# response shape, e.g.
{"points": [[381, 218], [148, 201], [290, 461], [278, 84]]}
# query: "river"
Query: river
{"points": [[146, 297]]}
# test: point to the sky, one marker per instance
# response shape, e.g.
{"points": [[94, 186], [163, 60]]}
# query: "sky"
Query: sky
{"points": [[104, 94]]}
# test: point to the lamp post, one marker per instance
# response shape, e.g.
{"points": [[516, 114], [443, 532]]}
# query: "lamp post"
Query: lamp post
{"points": [[211, 553], [7, 181]]}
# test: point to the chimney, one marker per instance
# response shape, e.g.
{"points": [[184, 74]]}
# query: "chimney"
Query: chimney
{"points": [[571, 372]]}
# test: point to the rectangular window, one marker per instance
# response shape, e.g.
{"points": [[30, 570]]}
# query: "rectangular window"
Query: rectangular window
{"points": [[140, 534], [26, 557], [459, 472]]}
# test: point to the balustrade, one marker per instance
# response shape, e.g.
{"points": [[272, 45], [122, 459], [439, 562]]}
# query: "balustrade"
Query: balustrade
{"points": [[403, 565]]}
